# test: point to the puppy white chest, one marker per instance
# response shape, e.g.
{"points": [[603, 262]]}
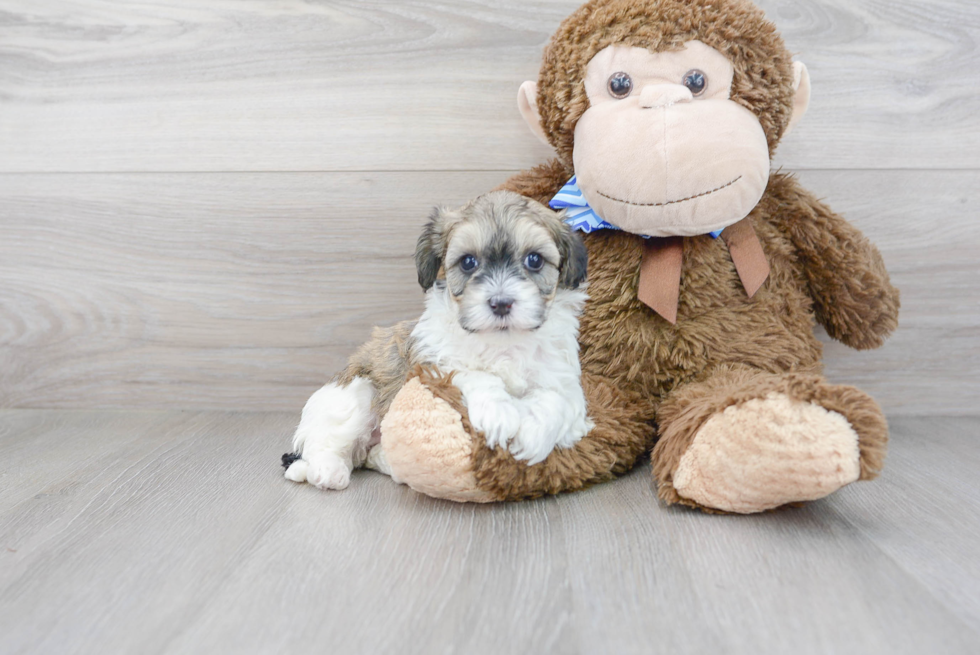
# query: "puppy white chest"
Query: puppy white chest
{"points": [[512, 371]]}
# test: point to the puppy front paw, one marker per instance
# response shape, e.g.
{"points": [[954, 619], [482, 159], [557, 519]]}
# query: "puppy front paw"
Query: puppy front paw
{"points": [[574, 433], [549, 420], [497, 417], [327, 471], [535, 440]]}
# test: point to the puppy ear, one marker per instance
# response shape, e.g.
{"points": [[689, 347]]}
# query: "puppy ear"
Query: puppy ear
{"points": [[574, 258], [432, 245]]}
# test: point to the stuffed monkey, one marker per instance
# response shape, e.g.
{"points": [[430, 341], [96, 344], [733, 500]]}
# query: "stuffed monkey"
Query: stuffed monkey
{"points": [[707, 274]]}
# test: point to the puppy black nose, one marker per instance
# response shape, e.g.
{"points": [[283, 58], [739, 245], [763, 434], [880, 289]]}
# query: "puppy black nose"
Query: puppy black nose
{"points": [[500, 305]]}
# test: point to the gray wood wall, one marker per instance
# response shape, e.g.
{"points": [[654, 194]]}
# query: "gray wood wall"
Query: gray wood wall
{"points": [[208, 204]]}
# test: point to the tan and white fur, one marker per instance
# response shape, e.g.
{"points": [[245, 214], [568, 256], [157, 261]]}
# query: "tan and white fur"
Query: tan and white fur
{"points": [[504, 289]]}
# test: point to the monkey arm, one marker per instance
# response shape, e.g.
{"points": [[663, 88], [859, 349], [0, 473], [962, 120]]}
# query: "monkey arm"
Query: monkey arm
{"points": [[852, 294]]}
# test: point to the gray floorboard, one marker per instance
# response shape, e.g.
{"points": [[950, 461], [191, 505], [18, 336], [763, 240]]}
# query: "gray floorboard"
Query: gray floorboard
{"points": [[174, 532]]}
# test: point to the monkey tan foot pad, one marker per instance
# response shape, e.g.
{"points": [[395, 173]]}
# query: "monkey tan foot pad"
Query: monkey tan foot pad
{"points": [[768, 452], [427, 447]]}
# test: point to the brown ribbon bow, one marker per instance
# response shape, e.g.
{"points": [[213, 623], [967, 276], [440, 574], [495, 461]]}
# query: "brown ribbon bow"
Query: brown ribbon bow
{"points": [[660, 270]]}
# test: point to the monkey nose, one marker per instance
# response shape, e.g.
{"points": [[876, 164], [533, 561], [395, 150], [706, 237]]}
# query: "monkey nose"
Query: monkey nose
{"points": [[655, 96], [500, 305]]}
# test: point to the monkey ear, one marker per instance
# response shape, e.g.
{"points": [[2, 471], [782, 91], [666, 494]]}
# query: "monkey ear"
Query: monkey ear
{"points": [[431, 246], [574, 259], [527, 102], [801, 100]]}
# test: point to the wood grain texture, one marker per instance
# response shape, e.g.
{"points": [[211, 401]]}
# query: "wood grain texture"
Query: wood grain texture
{"points": [[217, 290], [247, 291], [149, 283], [178, 534], [179, 85]]}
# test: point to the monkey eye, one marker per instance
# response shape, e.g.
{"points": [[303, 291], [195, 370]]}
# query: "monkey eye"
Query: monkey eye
{"points": [[696, 81], [534, 262], [468, 263], [620, 85]]}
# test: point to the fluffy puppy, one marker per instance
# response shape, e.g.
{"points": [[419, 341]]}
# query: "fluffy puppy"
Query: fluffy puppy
{"points": [[504, 289]]}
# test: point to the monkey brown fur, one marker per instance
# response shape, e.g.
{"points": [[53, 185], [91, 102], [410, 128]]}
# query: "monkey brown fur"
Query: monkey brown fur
{"points": [[729, 358]]}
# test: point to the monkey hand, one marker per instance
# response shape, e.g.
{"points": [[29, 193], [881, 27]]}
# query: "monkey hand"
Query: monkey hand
{"points": [[853, 295]]}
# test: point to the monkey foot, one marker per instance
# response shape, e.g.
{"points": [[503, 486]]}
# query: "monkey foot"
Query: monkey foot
{"points": [[427, 447], [768, 452]]}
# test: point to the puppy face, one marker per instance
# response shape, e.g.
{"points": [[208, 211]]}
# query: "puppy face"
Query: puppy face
{"points": [[502, 257]]}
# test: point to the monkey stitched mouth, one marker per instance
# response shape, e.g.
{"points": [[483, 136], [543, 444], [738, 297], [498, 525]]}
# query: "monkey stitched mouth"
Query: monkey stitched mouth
{"points": [[670, 202]]}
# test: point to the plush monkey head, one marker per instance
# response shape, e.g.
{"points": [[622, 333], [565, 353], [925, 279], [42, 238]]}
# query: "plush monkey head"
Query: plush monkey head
{"points": [[668, 111]]}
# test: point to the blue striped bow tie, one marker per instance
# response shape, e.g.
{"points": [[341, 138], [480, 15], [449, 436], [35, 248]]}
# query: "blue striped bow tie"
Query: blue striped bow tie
{"points": [[660, 268], [579, 215]]}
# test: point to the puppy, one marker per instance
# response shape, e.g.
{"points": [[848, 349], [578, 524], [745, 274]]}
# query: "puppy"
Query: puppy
{"points": [[504, 289]]}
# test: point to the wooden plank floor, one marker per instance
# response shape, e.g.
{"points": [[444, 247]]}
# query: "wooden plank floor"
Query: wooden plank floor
{"points": [[174, 532]]}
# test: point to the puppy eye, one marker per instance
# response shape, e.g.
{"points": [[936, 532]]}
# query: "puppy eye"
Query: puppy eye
{"points": [[620, 85], [468, 263], [534, 262], [696, 81]]}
